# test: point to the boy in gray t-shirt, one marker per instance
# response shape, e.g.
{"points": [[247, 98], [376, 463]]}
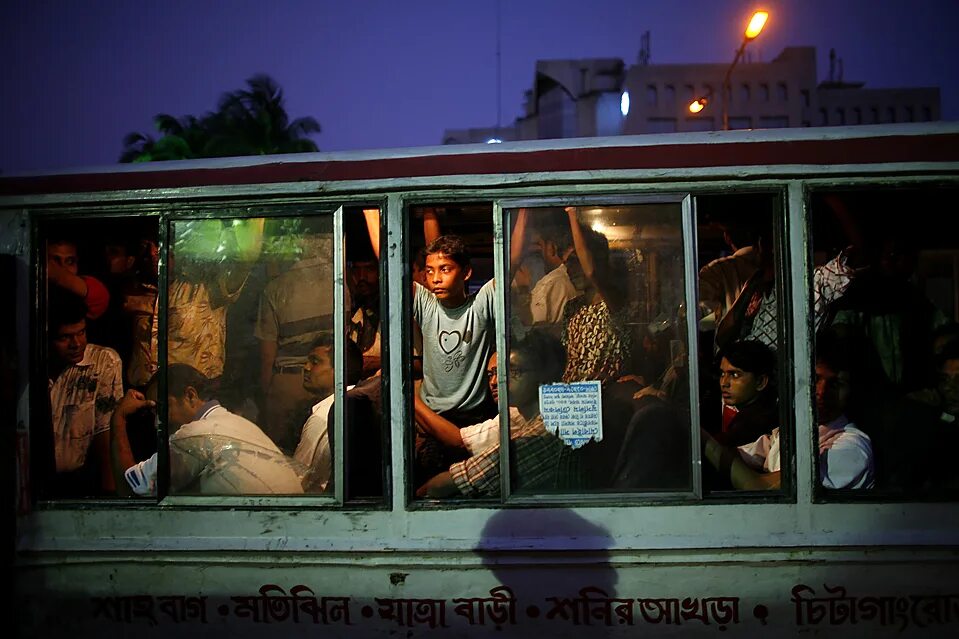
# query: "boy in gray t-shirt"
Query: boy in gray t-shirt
{"points": [[458, 339], [458, 336]]}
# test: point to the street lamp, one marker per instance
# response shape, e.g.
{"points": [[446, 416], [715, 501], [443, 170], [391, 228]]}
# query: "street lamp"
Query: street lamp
{"points": [[753, 29]]}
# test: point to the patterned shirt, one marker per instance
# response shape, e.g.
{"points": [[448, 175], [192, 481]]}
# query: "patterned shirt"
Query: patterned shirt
{"points": [[82, 399], [542, 461], [597, 344]]}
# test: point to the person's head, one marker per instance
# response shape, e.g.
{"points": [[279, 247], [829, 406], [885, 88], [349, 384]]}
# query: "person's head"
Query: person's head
{"points": [[318, 370], [554, 242], [947, 366], [67, 329], [539, 358], [419, 268], [364, 274], [119, 256], [747, 370], [491, 377], [187, 390], [833, 380], [63, 252], [447, 269]]}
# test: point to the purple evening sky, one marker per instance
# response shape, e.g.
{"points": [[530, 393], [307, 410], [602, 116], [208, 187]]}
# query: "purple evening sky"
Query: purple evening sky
{"points": [[393, 73]]}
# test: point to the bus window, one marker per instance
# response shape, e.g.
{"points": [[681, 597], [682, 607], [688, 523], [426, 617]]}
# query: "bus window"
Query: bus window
{"points": [[251, 349], [101, 290], [740, 342], [886, 358]]}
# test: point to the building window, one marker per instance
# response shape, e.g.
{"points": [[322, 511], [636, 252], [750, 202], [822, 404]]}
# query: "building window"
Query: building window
{"points": [[856, 116], [652, 95], [782, 93], [840, 116], [875, 115], [774, 122], [700, 124], [741, 123], [806, 123], [926, 114], [805, 97], [744, 93], [690, 92], [669, 94], [764, 92], [891, 114], [910, 114], [823, 117]]}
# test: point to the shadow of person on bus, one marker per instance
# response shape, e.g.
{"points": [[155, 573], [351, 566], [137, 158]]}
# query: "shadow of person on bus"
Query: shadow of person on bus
{"points": [[549, 559]]}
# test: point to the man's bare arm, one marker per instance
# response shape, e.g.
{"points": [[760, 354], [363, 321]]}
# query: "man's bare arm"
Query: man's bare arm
{"points": [[440, 428], [728, 462], [118, 453]]}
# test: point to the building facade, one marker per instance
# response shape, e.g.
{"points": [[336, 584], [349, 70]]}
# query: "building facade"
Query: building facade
{"points": [[602, 97]]}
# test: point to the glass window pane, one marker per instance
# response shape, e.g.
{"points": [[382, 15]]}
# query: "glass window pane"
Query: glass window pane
{"points": [[598, 392], [886, 362]]}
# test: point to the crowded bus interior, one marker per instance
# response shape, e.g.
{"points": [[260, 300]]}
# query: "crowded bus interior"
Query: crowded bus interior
{"points": [[648, 348]]}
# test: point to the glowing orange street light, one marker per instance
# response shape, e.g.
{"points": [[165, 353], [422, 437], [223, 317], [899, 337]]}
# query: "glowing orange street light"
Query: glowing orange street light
{"points": [[756, 24], [698, 105], [753, 29]]}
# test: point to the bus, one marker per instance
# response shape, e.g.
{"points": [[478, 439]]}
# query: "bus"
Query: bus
{"points": [[663, 384]]}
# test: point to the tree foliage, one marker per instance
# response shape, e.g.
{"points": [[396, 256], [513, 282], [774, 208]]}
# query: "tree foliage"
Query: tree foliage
{"points": [[250, 121]]}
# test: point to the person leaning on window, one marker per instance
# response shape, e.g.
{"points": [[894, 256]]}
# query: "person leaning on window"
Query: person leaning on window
{"points": [[212, 451]]}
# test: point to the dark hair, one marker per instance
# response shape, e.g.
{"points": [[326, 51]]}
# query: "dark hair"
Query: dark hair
{"points": [[354, 356], [61, 237], [546, 351], [558, 234], [453, 247], [833, 352], [63, 309], [753, 357], [597, 243], [181, 376]]}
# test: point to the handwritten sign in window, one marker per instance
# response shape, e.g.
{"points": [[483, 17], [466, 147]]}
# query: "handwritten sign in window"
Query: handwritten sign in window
{"points": [[573, 412]]}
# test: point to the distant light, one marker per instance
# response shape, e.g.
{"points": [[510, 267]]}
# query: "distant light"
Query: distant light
{"points": [[624, 104], [756, 24], [494, 141], [698, 105], [599, 227]]}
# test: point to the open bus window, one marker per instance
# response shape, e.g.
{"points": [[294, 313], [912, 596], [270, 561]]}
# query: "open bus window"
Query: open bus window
{"points": [[886, 357], [251, 352], [740, 343], [453, 340], [101, 289]]}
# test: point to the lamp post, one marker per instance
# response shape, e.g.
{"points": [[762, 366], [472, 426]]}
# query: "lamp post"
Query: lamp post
{"points": [[753, 29]]}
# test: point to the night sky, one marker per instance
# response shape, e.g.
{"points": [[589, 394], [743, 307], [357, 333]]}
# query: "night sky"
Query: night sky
{"points": [[79, 75]]}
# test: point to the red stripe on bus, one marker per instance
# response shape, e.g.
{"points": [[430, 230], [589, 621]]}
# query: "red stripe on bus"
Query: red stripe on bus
{"points": [[898, 149]]}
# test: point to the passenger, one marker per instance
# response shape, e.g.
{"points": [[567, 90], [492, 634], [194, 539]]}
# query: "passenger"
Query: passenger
{"points": [[140, 307], [597, 338], [920, 435], [294, 309], [212, 451], [474, 438], [747, 382], [63, 268], [314, 450], [200, 291], [890, 319], [753, 314], [85, 385], [845, 452], [542, 460], [363, 276], [550, 294]]}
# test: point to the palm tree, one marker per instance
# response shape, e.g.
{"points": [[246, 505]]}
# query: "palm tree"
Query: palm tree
{"points": [[250, 121]]}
